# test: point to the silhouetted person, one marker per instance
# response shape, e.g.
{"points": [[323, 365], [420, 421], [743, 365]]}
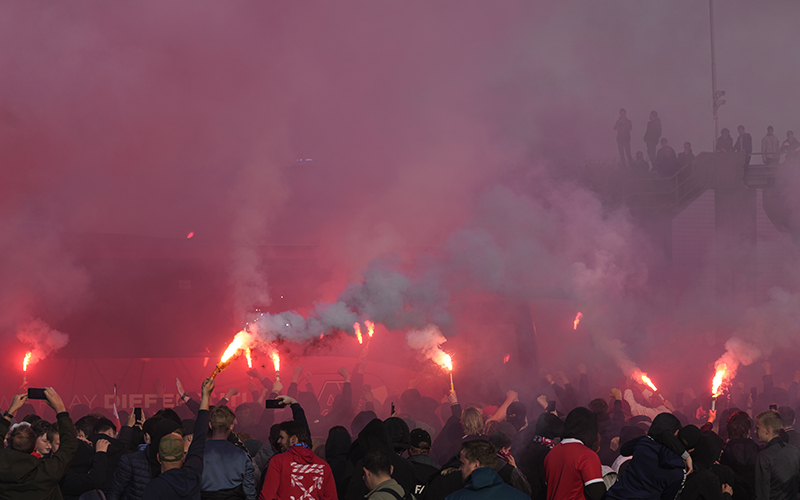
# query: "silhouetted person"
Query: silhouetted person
{"points": [[744, 143], [770, 147], [623, 126], [640, 164], [724, 142], [666, 159], [685, 157], [652, 135], [740, 453], [791, 147]]}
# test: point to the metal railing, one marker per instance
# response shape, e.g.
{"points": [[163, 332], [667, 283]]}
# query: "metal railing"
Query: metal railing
{"points": [[669, 195]]}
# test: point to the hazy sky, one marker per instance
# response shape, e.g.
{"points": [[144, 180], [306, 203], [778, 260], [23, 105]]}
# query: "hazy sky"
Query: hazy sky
{"points": [[158, 118]]}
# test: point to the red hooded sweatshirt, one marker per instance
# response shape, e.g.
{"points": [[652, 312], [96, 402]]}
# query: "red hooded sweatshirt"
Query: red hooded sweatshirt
{"points": [[299, 474]]}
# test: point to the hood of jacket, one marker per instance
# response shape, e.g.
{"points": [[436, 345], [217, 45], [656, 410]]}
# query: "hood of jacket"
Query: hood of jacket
{"points": [[115, 446], [337, 444], [375, 436], [301, 454], [483, 477]]}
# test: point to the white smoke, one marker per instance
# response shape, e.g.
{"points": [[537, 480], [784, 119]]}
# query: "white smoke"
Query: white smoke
{"points": [[41, 339], [427, 342], [774, 325]]}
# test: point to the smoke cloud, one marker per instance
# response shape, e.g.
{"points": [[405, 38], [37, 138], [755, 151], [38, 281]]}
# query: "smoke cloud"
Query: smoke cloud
{"points": [[41, 339]]}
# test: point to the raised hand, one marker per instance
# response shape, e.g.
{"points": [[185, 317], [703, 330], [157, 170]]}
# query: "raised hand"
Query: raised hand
{"points": [[159, 387], [54, 400]]}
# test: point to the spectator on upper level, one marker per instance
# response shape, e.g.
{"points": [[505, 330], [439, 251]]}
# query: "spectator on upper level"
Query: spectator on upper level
{"points": [[640, 164], [685, 157], [623, 126], [744, 143], [790, 147], [652, 135], [666, 159], [771, 147], [724, 142]]}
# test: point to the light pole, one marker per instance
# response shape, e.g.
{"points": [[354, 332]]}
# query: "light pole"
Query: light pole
{"points": [[716, 94]]}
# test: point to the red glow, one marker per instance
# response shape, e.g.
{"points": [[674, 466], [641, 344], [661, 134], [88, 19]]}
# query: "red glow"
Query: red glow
{"points": [[506, 358], [577, 321], [26, 361], [190, 235], [276, 361], [232, 349], [357, 328], [646, 380], [719, 377]]}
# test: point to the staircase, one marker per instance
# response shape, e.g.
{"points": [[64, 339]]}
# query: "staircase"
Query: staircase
{"points": [[779, 185], [651, 195]]}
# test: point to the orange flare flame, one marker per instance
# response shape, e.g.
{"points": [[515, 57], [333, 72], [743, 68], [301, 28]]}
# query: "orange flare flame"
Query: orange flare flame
{"points": [[646, 380], [26, 361], [719, 377], [448, 362], [232, 349], [370, 328], [577, 321], [276, 361], [357, 328], [247, 356], [506, 358]]}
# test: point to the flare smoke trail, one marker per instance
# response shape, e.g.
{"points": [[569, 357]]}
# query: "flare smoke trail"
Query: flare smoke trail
{"points": [[41, 339], [562, 240], [427, 342], [764, 329]]}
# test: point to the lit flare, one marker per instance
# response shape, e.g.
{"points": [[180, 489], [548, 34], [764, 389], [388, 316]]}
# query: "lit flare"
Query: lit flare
{"points": [[370, 328], [248, 357], [577, 321], [357, 328], [237, 345], [276, 361], [646, 380], [719, 379], [26, 361]]}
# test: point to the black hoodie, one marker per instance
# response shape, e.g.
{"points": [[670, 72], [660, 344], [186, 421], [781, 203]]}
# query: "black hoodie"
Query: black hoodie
{"points": [[375, 436]]}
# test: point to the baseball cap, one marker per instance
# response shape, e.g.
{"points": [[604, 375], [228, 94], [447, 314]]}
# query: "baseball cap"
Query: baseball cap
{"points": [[170, 449], [419, 436]]}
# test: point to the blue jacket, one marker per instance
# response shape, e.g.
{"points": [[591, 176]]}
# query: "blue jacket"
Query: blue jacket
{"points": [[131, 477], [183, 482], [485, 483], [226, 467], [654, 473]]}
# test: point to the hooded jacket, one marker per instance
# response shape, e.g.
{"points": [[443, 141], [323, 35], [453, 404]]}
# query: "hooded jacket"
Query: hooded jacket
{"points": [[87, 471], [298, 473], [185, 481], [655, 472], [485, 483], [375, 436], [336, 448], [25, 477]]}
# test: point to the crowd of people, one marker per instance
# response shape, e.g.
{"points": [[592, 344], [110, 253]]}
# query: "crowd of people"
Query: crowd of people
{"points": [[666, 163], [565, 443]]}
